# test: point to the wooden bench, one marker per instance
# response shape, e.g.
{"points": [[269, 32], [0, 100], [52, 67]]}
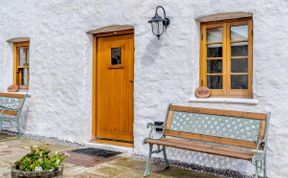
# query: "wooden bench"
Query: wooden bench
{"points": [[11, 106], [234, 134]]}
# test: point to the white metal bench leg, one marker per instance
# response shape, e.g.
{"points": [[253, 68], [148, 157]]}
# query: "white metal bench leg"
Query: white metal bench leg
{"points": [[264, 166], [147, 167], [265, 173], [165, 157], [19, 127], [0, 124], [257, 169]]}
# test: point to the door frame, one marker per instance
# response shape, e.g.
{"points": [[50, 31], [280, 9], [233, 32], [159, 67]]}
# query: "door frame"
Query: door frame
{"points": [[94, 83]]}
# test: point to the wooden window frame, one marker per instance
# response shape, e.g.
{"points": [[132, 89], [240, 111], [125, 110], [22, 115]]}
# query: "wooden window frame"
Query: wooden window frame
{"points": [[16, 75], [226, 90], [117, 66]]}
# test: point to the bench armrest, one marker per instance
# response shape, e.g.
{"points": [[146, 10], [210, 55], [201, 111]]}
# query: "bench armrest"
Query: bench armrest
{"points": [[260, 143], [153, 126]]}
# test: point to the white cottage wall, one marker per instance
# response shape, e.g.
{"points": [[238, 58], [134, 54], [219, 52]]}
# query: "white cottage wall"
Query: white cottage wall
{"points": [[166, 70]]}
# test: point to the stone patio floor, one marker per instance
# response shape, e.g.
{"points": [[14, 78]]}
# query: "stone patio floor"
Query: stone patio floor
{"points": [[12, 148]]}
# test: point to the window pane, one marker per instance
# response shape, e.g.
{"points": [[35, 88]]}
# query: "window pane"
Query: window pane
{"points": [[239, 49], [214, 50], [214, 82], [22, 56], [27, 51], [25, 80], [214, 35], [239, 33], [116, 56], [239, 82], [24, 76], [214, 66], [239, 65]]}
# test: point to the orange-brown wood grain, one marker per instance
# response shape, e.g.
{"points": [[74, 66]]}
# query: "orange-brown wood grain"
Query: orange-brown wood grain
{"points": [[113, 85]]}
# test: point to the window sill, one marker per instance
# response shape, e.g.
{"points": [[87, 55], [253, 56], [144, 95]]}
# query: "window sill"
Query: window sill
{"points": [[225, 100], [23, 92]]}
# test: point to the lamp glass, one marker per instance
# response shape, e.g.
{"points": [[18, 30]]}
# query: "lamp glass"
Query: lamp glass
{"points": [[157, 28]]}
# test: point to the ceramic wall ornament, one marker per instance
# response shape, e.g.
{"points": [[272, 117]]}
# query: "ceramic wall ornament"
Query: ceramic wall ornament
{"points": [[203, 92], [13, 88]]}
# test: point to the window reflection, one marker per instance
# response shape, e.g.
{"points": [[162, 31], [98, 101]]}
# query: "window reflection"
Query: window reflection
{"points": [[116, 56]]}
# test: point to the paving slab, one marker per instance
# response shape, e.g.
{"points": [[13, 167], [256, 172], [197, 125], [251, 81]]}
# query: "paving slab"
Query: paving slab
{"points": [[13, 148]]}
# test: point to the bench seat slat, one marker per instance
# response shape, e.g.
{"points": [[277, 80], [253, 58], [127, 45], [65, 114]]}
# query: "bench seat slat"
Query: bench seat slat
{"points": [[205, 148], [207, 138], [212, 146], [13, 113]]}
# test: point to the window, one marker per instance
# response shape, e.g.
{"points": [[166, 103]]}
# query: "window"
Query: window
{"points": [[21, 64], [226, 57], [115, 56]]}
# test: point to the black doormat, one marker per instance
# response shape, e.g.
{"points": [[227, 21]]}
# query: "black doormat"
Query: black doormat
{"points": [[97, 152]]}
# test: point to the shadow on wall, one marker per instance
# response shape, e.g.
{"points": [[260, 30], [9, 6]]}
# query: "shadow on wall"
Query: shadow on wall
{"points": [[151, 52]]}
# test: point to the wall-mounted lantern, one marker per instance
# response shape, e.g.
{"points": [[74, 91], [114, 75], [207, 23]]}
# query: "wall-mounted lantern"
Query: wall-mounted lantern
{"points": [[159, 24]]}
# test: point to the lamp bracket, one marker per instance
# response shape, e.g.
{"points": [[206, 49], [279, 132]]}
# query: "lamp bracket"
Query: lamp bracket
{"points": [[166, 20]]}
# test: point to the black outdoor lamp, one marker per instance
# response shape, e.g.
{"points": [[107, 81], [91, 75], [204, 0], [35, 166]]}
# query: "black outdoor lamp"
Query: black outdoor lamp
{"points": [[158, 23]]}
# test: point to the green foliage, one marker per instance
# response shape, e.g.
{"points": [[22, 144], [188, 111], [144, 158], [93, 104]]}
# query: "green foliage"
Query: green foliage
{"points": [[40, 159]]}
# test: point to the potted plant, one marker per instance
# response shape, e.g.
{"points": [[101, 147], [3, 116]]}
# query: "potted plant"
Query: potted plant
{"points": [[39, 163]]}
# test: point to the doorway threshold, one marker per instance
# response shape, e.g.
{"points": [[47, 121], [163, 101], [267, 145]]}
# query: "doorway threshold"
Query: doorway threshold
{"points": [[115, 142], [111, 145]]}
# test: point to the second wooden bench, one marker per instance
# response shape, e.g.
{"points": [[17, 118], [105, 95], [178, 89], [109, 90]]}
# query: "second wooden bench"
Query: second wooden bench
{"points": [[235, 134]]}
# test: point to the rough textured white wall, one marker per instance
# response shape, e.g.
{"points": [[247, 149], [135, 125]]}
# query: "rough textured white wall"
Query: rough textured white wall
{"points": [[166, 70]]}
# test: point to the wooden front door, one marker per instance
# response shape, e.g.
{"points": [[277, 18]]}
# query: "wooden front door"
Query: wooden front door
{"points": [[114, 88]]}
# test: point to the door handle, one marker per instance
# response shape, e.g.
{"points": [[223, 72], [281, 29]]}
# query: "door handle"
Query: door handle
{"points": [[131, 81]]}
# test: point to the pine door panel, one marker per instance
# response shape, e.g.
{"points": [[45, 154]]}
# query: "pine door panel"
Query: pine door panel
{"points": [[114, 85]]}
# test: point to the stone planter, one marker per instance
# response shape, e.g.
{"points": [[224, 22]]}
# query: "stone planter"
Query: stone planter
{"points": [[57, 173]]}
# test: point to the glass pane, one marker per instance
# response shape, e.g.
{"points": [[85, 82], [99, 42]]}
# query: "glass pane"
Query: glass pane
{"points": [[116, 56], [239, 82], [25, 79], [214, 35], [214, 50], [27, 51], [239, 65], [214, 82], [157, 28], [239, 49], [239, 33], [214, 66], [22, 56]]}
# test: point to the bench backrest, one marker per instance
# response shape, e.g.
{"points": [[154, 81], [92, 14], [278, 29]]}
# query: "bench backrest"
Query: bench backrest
{"points": [[11, 104], [234, 128]]}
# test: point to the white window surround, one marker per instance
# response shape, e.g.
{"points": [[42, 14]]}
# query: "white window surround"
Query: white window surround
{"points": [[247, 101], [110, 28], [224, 16], [18, 39]]}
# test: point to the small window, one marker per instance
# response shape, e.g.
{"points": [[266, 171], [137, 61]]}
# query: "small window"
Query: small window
{"points": [[21, 65], [116, 56], [226, 57]]}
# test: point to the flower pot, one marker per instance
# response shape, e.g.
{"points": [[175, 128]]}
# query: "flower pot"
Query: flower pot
{"points": [[57, 173]]}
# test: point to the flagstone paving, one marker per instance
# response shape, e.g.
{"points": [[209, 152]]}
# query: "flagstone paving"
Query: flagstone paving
{"points": [[12, 148]]}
